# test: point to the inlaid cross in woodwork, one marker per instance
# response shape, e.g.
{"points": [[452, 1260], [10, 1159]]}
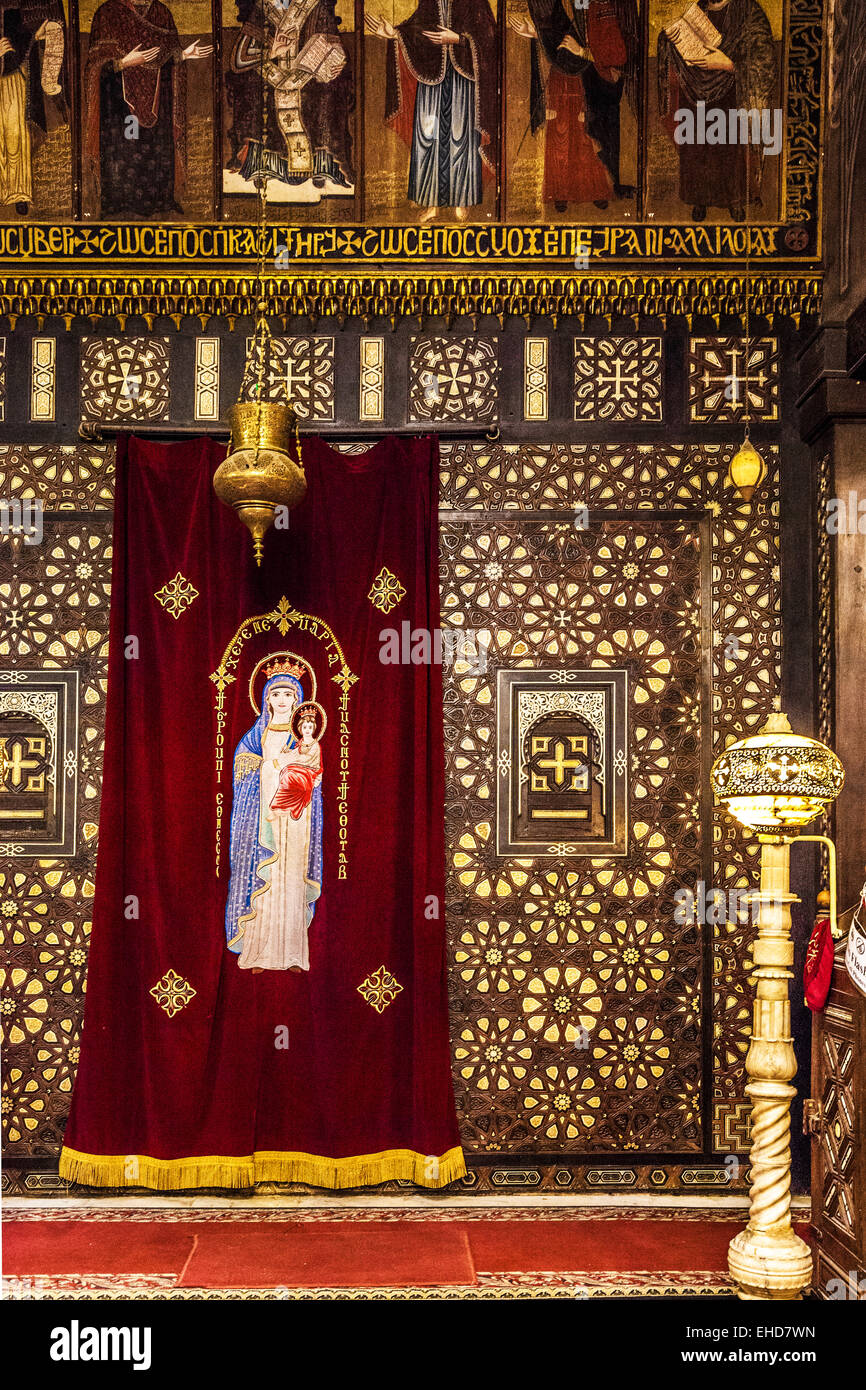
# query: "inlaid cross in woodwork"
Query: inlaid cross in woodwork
{"points": [[17, 767], [561, 765]]}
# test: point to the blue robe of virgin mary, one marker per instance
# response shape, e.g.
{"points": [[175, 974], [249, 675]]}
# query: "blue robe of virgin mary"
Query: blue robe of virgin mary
{"points": [[250, 855]]}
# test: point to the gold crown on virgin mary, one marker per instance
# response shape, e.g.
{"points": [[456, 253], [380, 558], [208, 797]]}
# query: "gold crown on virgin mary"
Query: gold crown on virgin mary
{"points": [[285, 668]]}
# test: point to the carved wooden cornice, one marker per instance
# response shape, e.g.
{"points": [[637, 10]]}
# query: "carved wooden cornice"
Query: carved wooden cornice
{"points": [[772, 296]]}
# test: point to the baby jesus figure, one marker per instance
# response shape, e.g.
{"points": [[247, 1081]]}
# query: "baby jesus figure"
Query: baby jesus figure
{"points": [[299, 775]]}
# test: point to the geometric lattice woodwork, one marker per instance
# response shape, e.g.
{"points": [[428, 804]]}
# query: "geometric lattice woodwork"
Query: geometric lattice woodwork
{"points": [[536, 378], [54, 600], [43, 374], [69, 476], [597, 1044], [745, 619], [837, 1132], [732, 1126], [124, 378], [618, 379], [453, 379], [372, 388], [723, 371], [207, 379], [297, 370]]}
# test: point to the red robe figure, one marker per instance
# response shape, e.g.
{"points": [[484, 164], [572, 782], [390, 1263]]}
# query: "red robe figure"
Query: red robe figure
{"points": [[295, 789], [592, 51]]}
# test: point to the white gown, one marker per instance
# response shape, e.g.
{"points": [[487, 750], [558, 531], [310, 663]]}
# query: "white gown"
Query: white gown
{"points": [[276, 938]]}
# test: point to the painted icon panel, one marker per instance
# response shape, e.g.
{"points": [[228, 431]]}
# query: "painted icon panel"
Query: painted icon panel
{"points": [[35, 105], [146, 109], [716, 122], [574, 110], [303, 55], [432, 110]]}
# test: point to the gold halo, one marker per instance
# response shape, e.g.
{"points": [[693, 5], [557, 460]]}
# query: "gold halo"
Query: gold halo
{"points": [[270, 657], [302, 709]]}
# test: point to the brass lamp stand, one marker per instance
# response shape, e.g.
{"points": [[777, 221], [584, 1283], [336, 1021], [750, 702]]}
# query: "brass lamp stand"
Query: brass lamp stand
{"points": [[773, 783]]}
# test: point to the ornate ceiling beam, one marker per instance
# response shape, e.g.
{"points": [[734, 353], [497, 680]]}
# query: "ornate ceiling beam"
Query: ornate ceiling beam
{"points": [[633, 296]]}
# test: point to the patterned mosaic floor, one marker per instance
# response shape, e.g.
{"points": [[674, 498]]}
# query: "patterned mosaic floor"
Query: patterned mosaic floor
{"points": [[635, 1284]]}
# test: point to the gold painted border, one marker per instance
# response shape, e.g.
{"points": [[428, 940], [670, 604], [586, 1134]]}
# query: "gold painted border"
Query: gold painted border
{"points": [[657, 291]]}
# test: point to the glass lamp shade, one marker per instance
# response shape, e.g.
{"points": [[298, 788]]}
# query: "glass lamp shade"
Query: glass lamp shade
{"points": [[776, 781], [747, 469]]}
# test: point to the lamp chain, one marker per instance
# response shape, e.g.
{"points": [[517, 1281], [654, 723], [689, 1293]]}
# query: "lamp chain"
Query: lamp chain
{"points": [[747, 402], [262, 336], [262, 331]]}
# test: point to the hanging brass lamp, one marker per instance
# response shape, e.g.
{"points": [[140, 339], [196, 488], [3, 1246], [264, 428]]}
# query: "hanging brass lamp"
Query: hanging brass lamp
{"points": [[259, 474]]}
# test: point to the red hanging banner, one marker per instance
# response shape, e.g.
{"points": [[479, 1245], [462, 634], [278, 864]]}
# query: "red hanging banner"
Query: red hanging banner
{"points": [[818, 966], [266, 995]]}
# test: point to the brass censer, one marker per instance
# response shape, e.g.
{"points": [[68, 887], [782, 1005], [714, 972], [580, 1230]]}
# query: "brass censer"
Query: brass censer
{"points": [[259, 474]]}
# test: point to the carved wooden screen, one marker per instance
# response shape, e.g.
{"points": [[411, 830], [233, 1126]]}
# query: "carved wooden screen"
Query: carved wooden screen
{"points": [[577, 999], [586, 1020]]}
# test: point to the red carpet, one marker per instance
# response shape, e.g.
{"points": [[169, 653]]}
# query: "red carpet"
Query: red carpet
{"points": [[311, 1251], [600, 1245], [95, 1247], [351, 1253]]}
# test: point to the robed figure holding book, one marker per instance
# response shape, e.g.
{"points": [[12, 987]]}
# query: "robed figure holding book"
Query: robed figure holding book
{"points": [[721, 54], [32, 98], [296, 51], [441, 96]]}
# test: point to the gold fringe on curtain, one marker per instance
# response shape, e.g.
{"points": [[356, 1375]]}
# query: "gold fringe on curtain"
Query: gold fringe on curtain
{"points": [[174, 1174]]}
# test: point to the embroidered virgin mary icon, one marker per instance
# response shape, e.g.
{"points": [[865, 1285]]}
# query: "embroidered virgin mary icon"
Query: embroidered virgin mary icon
{"points": [[276, 825]]}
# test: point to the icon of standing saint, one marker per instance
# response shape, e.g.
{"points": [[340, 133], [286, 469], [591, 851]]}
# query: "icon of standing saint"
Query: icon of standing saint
{"points": [[720, 54], [135, 103], [276, 825], [591, 51], [293, 54], [441, 74], [32, 91]]}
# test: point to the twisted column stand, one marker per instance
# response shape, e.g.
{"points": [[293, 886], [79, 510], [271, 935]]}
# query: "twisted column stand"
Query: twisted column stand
{"points": [[767, 1260]]}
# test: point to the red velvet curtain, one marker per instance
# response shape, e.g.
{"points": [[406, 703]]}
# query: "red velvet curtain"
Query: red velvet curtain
{"points": [[198, 1068]]}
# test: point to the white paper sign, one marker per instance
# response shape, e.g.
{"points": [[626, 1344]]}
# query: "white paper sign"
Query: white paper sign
{"points": [[855, 954]]}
